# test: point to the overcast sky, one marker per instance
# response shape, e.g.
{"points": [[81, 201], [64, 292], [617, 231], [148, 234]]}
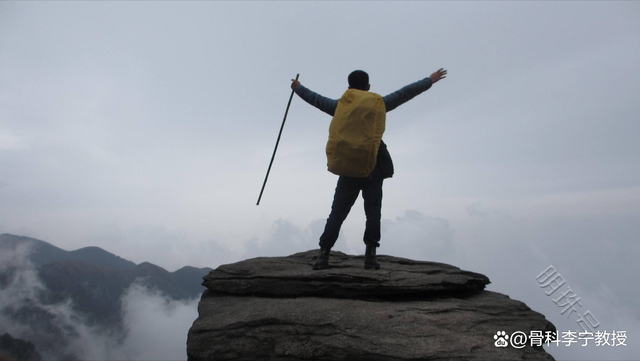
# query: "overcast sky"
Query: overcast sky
{"points": [[146, 128]]}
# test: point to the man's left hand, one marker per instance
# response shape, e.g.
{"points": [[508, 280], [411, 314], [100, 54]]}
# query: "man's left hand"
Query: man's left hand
{"points": [[440, 74]]}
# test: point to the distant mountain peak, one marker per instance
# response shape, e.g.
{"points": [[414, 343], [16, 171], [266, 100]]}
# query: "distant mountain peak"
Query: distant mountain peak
{"points": [[44, 253], [81, 286]]}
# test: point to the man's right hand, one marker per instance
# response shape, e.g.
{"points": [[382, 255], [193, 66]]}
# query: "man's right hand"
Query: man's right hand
{"points": [[435, 77], [294, 84]]}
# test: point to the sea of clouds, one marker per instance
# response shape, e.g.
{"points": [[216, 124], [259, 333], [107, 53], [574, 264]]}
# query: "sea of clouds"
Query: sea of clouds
{"points": [[155, 326]]}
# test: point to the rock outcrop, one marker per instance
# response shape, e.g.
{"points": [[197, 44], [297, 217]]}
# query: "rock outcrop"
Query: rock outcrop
{"points": [[278, 308]]}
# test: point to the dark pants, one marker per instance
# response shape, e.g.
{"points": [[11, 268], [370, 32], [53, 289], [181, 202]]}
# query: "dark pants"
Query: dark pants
{"points": [[346, 194]]}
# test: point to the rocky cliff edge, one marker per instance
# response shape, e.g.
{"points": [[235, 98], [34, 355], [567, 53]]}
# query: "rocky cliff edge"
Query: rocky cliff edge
{"points": [[278, 308]]}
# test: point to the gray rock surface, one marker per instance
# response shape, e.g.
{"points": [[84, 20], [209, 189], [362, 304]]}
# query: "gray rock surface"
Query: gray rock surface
{"points": [[292, 277], [277, 308]]}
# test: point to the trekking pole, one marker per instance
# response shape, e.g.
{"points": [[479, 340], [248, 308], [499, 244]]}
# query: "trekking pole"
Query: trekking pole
{"points": [[277, 142]]}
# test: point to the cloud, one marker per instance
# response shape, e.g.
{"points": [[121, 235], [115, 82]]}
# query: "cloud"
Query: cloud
{"points": [[19, 283], [513, 245], [12, 142], [155, 326], [416, 236], [411, 235], [66, 332], [179, 247], [285, 238], [480, 210], [121, 128]]}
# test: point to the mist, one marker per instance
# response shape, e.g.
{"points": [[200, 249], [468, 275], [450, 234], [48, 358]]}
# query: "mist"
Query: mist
{"points": [[154, 327], [145, 128]]}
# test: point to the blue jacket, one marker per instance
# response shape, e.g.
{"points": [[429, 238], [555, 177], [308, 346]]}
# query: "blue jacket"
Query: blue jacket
{"points": [[391, 101]]}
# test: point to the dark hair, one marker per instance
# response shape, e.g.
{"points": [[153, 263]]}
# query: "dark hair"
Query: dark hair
{"points": [[359, 80]]}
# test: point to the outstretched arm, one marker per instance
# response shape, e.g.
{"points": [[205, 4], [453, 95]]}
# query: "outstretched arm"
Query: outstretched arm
{"points": [[410, 91], [323, 103]]}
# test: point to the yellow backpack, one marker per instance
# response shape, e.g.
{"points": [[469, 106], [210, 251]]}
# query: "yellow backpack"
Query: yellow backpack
{"points": [[355, 134]]}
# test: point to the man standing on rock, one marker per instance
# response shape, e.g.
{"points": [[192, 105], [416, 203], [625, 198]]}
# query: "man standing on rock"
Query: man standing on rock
{"points": [[350, 112]]}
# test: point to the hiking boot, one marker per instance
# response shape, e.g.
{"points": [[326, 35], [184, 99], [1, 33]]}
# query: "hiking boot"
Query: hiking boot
{"points": [[370, 261], [322, 262]]}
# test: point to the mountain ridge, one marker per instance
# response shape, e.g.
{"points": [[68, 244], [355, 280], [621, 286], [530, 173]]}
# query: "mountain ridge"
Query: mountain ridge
{"points": [[91, 283], [44, 253]]}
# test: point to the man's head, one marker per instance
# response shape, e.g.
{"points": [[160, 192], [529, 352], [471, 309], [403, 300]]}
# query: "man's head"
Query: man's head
{"points": [[359, 80]]}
